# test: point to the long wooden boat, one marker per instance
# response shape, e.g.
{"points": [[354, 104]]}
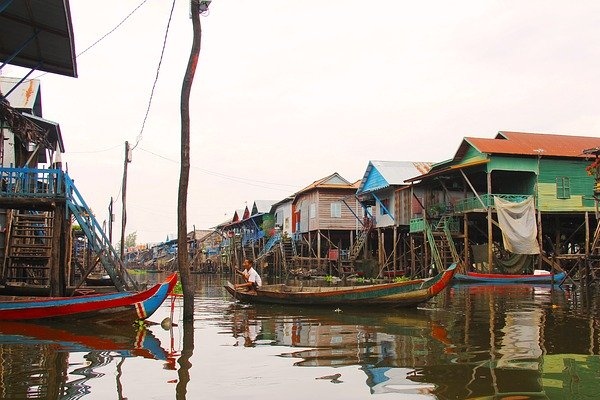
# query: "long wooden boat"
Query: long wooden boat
{"points": [[399, 294], [119, 306], [476, 277]]}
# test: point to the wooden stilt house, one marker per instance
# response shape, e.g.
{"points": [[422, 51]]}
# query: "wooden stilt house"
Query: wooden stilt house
{"points": [[463, 197], [38, 201], [379, 192], [326, 218]]}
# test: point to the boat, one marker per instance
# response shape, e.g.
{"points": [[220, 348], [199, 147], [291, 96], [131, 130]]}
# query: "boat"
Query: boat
{"points": [[98, 280], [117, 306], [397, 294], [537, 277]]}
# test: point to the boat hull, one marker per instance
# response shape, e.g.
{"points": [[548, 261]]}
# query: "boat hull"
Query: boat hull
{"points": [[401, 294], [120, 306], [475, 277]]}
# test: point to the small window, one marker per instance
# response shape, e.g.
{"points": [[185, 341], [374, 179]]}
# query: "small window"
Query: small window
{"points": [[563, 187], [312, 211], [384, 207], [336, 210]]}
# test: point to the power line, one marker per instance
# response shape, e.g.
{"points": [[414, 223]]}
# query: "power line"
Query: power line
{"points": [[231, 177], [113, 29], [162, 53], [105, 35]]}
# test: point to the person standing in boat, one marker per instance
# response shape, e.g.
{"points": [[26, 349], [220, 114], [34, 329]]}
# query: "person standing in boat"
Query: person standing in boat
{"points": [[253, 280]]}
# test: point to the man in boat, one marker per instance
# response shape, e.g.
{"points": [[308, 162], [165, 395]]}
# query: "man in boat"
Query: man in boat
{"points": [[253, 280]]}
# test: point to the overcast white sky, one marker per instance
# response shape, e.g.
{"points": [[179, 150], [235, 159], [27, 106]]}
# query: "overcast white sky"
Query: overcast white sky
{"points": [[287, 92]]}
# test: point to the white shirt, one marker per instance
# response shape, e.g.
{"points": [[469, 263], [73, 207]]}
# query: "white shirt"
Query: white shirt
{"points": [[253, 276]]}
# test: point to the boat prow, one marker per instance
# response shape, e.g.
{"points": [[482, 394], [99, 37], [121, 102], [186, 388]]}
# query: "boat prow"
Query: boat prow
{"points": [[119, 306]]}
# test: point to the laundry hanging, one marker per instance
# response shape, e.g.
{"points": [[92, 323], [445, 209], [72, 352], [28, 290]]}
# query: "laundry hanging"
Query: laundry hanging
{"points": [[518, 225]]}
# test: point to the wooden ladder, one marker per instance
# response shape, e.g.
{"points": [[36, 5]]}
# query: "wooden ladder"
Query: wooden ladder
{"points": [[29, 247]]}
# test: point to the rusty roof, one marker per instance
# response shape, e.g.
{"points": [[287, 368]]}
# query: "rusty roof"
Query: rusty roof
{"points": [[533, 144]]}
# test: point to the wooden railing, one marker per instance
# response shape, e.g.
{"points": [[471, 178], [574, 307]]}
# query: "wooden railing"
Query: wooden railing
{"points": [[473, 203], [32, 182]]}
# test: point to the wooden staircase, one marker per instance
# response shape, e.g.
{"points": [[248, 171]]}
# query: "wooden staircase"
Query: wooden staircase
{"points": [[29, 238], [594, 259], [361, 240], [288, 251], [443, 250]]}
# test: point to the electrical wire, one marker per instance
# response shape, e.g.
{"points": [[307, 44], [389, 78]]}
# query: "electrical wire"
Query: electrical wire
{"points": [[231, 177], [105, 35], [162, 53]]}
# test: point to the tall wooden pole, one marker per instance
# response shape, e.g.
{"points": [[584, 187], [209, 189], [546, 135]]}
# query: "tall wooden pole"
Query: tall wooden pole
{"points": [[184, 175], [124, 199]]}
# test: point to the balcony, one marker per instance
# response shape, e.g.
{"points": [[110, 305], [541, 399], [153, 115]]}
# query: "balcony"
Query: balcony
{"points": [[473, 203]]}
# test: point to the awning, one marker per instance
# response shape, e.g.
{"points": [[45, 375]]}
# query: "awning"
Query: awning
{"points": [[53, 129], [40, 33], [447, 170]]}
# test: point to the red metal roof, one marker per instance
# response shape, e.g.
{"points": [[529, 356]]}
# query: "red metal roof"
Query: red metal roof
{"points": [[534, 144]]}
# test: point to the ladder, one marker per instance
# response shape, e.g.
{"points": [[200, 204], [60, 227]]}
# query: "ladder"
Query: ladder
{"points": [[29, 247], [361, 240]]}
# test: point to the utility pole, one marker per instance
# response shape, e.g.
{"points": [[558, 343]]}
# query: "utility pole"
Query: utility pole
{"points": [[110, 220], [184, 176], [123, 198]]}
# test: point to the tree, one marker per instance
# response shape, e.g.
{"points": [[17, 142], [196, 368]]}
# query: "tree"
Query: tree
{"points": [[131, 239]]}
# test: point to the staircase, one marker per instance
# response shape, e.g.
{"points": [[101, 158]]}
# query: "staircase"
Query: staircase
{"points": [[594, 259], [97, 239], [361, 240], [288, 251], [443, 250], [269, 246], [29, 247]]}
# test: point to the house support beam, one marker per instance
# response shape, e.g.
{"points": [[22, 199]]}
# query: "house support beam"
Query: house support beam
{"points": [[489, 186], [489, 223]]}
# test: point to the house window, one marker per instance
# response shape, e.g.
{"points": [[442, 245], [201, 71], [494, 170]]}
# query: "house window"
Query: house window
{"points": [[563, 187], [336, 210], [312, 210], [384, 207]]}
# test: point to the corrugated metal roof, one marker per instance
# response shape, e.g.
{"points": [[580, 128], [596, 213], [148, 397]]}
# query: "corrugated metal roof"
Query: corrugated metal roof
{"points": [[333, 181], [534, 144], [262, 206], [53, 136], [23, 96], [48, 22], [392, 173]]}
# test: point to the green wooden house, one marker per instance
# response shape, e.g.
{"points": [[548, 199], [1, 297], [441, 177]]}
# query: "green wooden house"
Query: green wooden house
{"points": [[460, 221]]}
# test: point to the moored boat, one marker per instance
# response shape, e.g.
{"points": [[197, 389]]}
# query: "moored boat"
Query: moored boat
{"points": [[118, 306], [397, 294], [543, 277]]}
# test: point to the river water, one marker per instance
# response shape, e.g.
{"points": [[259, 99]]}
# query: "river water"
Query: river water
{"points": [[470, 342]]}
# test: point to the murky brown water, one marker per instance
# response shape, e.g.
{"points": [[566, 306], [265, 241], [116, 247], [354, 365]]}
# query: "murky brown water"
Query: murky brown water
{"points": [[472, 342]]}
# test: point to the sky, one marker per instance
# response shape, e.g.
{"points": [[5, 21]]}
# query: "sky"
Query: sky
{"points": [[288, 92]]}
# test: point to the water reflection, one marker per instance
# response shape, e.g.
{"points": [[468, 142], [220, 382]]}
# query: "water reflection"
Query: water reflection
{"points": [[36, 360], [472, 342]]}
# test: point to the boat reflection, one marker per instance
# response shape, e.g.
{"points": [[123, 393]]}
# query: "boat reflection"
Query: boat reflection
{"points": [[474, 341], [36, 360], [388, 346]]}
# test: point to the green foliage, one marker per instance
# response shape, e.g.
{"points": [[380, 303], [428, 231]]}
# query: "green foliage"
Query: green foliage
{"points": [[76, 227], [178, 289], [401, 279], [328, 278], [268, 223], [131, 239]]}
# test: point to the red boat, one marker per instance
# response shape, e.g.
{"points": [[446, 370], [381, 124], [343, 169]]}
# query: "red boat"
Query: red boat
{"points": [[119, 306]]}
